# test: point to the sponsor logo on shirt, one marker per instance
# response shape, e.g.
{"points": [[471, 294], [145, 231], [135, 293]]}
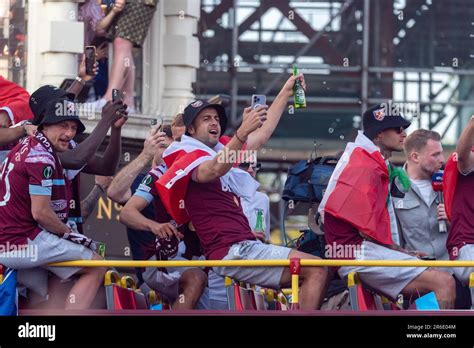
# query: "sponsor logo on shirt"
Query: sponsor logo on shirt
{"points": [[48, 172], [46, 183], [62, 216], [147, 180], [145, 188], [59, 204]]}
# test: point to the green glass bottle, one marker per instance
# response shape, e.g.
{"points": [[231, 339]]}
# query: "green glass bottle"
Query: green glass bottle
{"points": [[101, 249], [299, 98], [259, 223]]}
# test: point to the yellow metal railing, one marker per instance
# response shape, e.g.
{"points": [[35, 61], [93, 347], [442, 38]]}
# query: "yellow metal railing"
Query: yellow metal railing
{"points": [[262, 263], [294, 265]]}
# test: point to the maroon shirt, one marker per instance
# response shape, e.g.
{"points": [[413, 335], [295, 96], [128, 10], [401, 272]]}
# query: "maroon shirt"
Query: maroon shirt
{"points": [[31, 168], [339, 234], [217, 216], [462, 215]]}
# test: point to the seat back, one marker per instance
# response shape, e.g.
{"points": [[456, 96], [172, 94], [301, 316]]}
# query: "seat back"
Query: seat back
{"points": [[362, 299]]}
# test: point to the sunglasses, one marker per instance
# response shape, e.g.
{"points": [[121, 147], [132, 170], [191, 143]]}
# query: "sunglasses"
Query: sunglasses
{"points": [[398, 130], [246, 165]]}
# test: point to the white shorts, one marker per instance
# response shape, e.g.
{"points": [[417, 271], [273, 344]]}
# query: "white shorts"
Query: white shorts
{"points": [[255, 250], [32, 261], [390, 281], [466, 253]]}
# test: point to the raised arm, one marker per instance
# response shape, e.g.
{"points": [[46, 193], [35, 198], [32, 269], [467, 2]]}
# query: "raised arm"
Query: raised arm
{"points": [[105, 22], [119, 190], [107, 165], [258, 138], [463, 149], [219, 165], [82, 153], [80, 82]]}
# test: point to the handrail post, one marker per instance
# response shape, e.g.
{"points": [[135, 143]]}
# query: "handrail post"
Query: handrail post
{"points": [[295, 269]]}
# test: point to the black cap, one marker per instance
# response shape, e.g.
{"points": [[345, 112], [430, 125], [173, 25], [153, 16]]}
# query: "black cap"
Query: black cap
{"points": [[60, 110], [40, 98], [194, 108], [379, 118]]}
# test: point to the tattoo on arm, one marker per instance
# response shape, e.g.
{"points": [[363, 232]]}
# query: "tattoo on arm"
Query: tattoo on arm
{"points": [[88, 204]]}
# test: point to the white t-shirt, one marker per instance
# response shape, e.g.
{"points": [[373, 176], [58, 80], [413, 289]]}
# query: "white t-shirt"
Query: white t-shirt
{"points": [[425, 189], [259, 201]]}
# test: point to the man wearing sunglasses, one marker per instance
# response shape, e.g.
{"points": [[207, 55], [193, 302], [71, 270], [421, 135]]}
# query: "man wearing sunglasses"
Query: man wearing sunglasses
{"points": [[358, 214]]}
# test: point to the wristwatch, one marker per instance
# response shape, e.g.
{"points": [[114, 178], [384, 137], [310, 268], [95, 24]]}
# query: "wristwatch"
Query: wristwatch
{"points": [[81, 81]]}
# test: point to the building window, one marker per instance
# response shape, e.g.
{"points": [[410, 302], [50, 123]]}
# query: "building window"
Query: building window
{"points": [[13, 40]]}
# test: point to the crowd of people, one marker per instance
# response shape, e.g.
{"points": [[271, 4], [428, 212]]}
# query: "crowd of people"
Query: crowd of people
{"points": [[186, 196], [184, 200]]}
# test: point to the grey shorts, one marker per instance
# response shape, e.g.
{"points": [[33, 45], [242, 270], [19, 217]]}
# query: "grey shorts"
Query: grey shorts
{"points": [[255, 250], [390, 281], [167, 284], [466, 253], [32, 261]]}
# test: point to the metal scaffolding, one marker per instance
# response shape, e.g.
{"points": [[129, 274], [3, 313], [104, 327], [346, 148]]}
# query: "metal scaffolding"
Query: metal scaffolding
{"points": [[354, 53]]}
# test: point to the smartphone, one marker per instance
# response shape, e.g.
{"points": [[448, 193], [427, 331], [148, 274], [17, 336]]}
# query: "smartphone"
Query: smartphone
{"points": [[90, 60], [117, 95], [258, 100]]}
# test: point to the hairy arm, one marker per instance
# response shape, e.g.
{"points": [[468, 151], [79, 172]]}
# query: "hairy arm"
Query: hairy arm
{"points": [[119, 190]]}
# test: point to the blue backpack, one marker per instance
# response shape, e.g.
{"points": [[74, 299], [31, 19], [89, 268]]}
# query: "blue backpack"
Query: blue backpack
{"points": [[307, 180]]}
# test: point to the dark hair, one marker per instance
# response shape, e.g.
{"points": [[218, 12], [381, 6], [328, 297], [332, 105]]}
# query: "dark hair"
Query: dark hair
{"points": [[418, 140], [167, 131]]}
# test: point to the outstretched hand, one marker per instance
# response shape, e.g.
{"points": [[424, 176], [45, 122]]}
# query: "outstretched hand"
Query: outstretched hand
{"points": [[116, 113], [252, 120], [287, 88]]}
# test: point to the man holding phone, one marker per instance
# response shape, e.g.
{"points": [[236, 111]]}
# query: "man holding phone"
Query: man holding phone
{"points": [[201, 188]]}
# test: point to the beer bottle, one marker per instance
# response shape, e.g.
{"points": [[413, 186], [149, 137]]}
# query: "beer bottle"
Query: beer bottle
{"points": [[259, 223], [299, 98]]}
